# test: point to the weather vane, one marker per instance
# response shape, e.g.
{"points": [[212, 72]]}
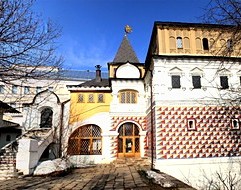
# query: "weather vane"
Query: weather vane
{"points": [[128, 29]]}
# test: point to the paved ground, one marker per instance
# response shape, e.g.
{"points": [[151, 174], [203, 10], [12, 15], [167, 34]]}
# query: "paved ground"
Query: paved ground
{"points": [[100, 177]]}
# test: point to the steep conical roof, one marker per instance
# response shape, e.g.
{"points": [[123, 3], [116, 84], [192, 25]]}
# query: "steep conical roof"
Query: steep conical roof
{"points": [[125, 53]]}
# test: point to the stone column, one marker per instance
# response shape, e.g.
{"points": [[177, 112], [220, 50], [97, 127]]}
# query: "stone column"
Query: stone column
{"points": [[142, 144], [27, 156]]}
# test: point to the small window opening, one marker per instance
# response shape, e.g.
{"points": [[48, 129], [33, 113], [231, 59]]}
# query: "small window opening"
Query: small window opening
{"points": [[179, 43], [230, 45], [205, 44], [176, 83], [196, 81], [191, 124], [235, 123], [224, 82]]}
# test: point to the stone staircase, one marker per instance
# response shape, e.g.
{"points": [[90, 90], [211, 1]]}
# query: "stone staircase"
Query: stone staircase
{"points": [[8, 154], [8, 161]]}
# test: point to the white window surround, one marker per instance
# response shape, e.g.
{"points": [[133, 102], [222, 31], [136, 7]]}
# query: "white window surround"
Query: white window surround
{"points": [[196, 72], [176, 71]]}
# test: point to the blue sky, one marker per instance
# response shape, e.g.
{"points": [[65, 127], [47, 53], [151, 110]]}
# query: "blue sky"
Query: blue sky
{"points": [[92, 30]]}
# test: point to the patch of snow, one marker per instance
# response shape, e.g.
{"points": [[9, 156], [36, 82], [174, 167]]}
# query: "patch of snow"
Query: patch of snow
{"points": [[51, 166], [160, 179]]}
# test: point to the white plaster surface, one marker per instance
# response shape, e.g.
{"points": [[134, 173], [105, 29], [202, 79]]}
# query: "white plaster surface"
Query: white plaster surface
{"points": [[199, 172]]}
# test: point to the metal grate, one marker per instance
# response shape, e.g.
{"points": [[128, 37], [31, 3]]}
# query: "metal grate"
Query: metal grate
{"points": [[137, 145], [85, 146], [120, 145], [85, 140], [128, 129]]}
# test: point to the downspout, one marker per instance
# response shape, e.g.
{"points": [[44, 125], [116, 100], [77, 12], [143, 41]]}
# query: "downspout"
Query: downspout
{"points": [[61, 126], [152, 122]]}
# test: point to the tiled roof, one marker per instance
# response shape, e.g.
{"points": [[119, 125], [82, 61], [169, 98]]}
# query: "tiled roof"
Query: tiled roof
{"points": [[9, 125], [93, 83], [125, 53], [7, 108], [80, 75]]}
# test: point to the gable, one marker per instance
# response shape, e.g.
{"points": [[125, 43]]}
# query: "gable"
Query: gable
{"points": [[127, 71]]}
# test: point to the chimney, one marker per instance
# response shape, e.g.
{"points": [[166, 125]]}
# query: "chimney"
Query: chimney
{"points": [[98, 73]]}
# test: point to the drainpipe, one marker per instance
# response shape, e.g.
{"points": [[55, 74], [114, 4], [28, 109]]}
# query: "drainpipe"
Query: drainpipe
{"points": [[152, 122], [61, 126]]}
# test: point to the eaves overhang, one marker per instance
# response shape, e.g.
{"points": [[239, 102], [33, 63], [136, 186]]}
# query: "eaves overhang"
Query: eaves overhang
{"points": [[88, 89]]}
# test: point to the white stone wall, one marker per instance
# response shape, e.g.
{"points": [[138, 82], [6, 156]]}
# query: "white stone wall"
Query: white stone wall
{"points": [[210, 81], [199, 172], [41, 101], [117, 108]]}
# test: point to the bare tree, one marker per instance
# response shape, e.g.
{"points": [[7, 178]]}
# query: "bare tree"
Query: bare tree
{"points": [[226, 12], [27, 45]]}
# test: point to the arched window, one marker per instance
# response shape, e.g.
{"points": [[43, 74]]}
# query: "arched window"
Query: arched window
{"points": [[230, 44], [179, 43], [46, 118], [198, 44], [172, 42], [86, 140], [128, 97], [205, 44], [186, 43]]}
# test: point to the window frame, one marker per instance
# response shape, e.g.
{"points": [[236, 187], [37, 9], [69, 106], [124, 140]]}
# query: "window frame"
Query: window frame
{"points": [[191, 124], [91, 98], [195, 85], [38, 89], [224, 84], [2, 89], [14, 89], [235, 126], [205, 44], [81, 98], [77, 141], [128, 97], [230, 44], [46, 118], [178, 85], [179, 42], [26, 90], [101, 99]]}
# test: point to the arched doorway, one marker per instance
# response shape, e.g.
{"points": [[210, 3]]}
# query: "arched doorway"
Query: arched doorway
{"points": [[128, 140]]}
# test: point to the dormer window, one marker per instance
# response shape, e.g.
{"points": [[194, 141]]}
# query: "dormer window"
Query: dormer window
{"points": [[205, 44]]}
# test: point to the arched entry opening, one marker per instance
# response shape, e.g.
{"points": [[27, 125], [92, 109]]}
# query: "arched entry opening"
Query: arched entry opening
{"points": [[128, 140], [85, 140]]}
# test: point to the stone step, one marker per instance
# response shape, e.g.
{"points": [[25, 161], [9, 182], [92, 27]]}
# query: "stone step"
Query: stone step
{"points": [[7, 167], [8, 173], [7, 162], [7, 157]]}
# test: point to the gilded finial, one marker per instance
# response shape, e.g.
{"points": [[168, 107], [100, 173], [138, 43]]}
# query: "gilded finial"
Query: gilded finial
{"points": [[128, 29]]}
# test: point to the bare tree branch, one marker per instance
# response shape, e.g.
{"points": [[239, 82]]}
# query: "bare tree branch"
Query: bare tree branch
{"points": [[26, 47]]}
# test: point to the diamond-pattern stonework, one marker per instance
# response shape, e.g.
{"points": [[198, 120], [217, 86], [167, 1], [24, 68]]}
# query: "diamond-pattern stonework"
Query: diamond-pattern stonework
{"points": [[213, 137], [117, 120]]}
